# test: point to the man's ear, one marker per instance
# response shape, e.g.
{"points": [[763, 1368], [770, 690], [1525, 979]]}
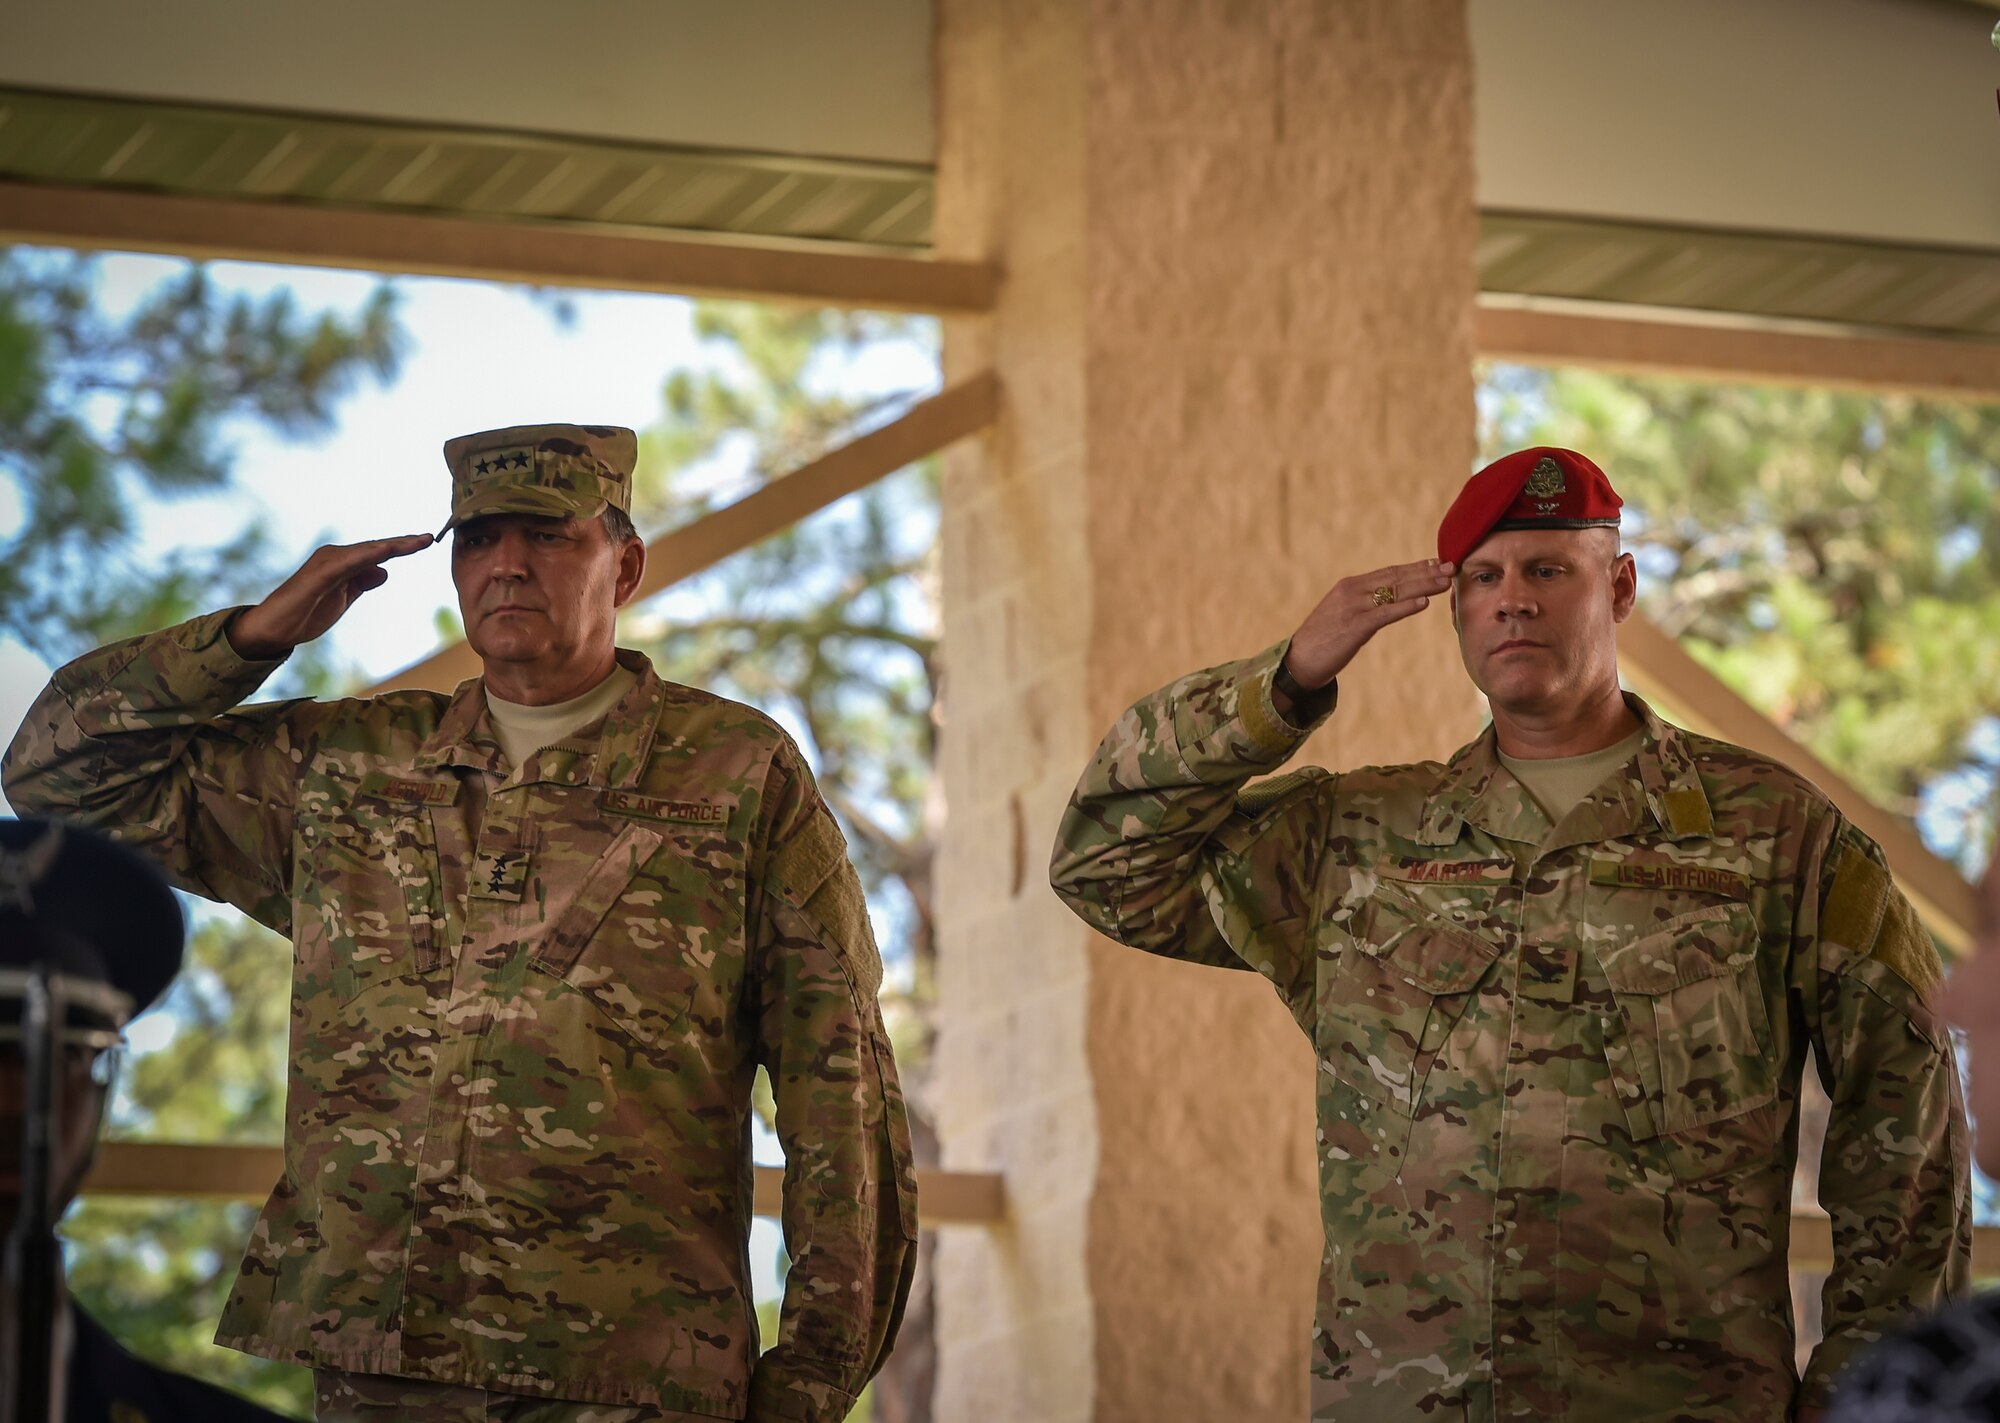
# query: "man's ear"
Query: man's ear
{"points": [[1624, 587], [631, 568]]}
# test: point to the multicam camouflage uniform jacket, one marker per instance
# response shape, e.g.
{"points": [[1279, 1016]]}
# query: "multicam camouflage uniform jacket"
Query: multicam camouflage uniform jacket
{"points": [[1558, 1065], [527, 1008]]}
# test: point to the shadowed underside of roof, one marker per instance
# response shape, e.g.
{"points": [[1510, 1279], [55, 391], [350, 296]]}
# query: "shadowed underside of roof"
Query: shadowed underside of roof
{"points": [[85, 141], [80, 141]]}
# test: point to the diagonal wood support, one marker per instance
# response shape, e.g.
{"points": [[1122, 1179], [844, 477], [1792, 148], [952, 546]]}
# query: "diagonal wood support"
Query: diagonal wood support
{"points": [[927, 427], [491, 250], [1657, 668], [246, 1173]]}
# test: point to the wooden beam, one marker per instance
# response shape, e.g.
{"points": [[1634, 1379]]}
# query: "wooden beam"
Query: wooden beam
{"points": [[1709, 350], [545, 253], [927, 427], [1660, 670], [247, 1173]]}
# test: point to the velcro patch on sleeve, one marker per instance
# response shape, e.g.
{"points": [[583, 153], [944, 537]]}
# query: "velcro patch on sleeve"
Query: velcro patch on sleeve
{"points": [[1865, 912], [811, 874]]}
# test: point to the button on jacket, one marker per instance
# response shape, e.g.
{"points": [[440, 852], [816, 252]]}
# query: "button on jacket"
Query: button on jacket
{"points": [[1558, 1066], [527, 1008]]}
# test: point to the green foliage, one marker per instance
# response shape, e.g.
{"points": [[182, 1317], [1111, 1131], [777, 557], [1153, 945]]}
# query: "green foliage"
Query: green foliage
{"points": [[231, 1013], [157, 1272], [1833, 557], [98, 414]]}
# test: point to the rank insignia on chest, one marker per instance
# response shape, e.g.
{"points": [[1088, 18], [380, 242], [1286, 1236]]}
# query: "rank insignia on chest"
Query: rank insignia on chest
{"points": [[499, 874]]}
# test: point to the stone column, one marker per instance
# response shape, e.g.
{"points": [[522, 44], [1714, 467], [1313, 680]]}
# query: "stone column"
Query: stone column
{"points": [[1235, 336]]}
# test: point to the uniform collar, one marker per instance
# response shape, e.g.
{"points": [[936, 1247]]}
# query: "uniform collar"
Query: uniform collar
{"points": [[1661, 789], [611, 759], [463, 736]]}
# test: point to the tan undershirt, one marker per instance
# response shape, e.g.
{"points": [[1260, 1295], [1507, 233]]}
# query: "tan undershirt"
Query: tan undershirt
{"points": [[1559, 785], [523, 730]]}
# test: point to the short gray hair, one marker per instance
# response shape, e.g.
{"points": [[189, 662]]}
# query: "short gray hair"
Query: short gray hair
{"points": [[618, 526]]}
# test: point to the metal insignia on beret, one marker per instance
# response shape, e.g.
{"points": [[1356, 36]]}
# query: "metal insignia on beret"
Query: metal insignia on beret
{"points": [[1545, 481], [21, 870]]}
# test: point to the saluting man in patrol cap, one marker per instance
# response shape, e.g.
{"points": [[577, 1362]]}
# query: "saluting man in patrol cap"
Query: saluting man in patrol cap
{"points": [[1561, 987], [547, 927], [95, 929]]}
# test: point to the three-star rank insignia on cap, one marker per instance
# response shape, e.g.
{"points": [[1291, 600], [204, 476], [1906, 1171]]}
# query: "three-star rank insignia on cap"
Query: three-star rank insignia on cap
{"points": [[498, 461], [1545, 480]]}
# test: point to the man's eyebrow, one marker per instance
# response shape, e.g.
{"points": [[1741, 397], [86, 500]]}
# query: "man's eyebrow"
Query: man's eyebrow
{"points": [[1480, 565]]}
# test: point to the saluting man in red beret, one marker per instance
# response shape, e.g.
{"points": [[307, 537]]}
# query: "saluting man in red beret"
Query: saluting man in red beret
{"points": [[1562, 989]]}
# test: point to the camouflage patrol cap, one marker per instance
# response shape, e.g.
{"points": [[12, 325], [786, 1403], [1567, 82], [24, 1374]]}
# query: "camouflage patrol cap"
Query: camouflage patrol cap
{"points": [[561, 471]]}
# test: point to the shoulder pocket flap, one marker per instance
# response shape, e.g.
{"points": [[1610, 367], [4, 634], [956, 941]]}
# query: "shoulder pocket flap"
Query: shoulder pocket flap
{"points": [[1433, 956], [1864, 913], [1707, 943]]}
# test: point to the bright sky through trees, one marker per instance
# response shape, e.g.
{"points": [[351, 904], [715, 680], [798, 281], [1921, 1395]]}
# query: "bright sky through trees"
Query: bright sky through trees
{"points": [[482, 356], [479, 356]]}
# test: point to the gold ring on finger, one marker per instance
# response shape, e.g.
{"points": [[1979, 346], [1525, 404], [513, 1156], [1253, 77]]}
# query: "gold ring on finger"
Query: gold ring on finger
{"points": [[1384, 595]]}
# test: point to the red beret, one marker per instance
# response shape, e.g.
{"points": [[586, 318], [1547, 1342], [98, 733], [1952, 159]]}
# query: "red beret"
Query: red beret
{"points": [[1541, 488]]}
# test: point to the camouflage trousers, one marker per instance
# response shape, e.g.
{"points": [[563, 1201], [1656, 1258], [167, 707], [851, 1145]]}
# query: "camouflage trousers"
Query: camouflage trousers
{"points": [[382, 1398]]}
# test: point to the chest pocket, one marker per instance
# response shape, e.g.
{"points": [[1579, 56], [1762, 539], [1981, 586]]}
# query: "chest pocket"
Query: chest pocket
{"points": [[1394, 996], [655, 920], [366, 909], [1691, 1050]]}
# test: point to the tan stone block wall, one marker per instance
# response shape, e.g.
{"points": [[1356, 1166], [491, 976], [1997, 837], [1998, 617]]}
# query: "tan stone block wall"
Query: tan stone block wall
{"points": [[1236, 343], [1014, 1315]]}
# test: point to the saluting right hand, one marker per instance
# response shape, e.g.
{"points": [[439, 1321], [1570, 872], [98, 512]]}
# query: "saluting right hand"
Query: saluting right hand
{"points": [[1351, 613], [316, 597]]}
